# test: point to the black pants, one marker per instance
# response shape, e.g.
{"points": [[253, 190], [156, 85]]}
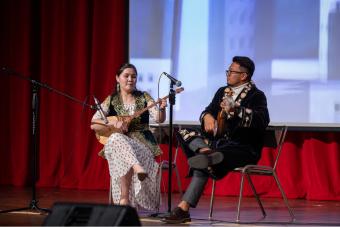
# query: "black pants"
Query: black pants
{"points": [[234, 156]]}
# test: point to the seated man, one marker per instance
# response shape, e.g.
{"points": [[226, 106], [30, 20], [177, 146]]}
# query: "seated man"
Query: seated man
{"points": [[233, 127]]}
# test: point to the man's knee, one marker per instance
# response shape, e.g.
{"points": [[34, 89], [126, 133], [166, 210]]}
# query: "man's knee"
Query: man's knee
{"points": [[197, 144]]}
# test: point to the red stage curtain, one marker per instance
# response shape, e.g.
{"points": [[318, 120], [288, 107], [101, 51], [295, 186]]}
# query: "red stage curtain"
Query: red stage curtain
{"points": [[75, 47]]}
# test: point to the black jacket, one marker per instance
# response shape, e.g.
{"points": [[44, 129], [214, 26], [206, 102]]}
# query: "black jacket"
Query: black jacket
{"points": [[246, 128]]}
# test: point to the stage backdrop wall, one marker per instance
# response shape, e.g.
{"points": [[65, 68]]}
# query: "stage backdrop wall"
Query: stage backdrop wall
{"points": [[75, 47]]}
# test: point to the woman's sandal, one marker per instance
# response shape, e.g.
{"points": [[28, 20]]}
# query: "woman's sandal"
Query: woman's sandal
{"points": [[142, 176]]}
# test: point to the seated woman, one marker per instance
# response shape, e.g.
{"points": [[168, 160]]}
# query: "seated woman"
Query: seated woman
{"points": [[131, 148]]}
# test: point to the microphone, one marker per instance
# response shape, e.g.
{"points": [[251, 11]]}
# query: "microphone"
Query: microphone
{"points": [[173, 80], [8, 71], [101, 112], [5, 69]]}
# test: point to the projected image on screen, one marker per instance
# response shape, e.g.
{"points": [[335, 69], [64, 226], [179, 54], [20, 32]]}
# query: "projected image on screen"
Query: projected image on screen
{"points": [[295, 46]]}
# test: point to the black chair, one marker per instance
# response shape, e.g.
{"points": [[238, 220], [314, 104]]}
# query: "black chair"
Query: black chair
{"points": [[274, 138]]}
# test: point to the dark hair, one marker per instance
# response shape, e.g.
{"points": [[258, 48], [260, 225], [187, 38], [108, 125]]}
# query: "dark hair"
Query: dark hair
{"points": [[246, 63], [126, 66]]}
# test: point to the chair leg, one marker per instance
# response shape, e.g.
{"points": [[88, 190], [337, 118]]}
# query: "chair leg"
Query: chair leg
{"points": [[284, 196], [110, 192], [240, 199], [256, 195], [178, 180], [159, 188], [212, 199]]}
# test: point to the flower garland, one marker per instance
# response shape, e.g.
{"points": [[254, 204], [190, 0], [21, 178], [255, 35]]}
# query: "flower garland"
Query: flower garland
{"points": [[228, 92]]}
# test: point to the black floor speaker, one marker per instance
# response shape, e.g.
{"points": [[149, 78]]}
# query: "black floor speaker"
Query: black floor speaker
{"points": [[68, 214]]}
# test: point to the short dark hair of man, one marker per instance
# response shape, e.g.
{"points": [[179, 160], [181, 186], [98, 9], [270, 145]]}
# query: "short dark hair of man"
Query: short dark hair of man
{"points": [[246, 63]]}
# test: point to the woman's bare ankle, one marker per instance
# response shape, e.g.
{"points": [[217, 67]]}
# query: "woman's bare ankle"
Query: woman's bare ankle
{"points": [[123, 202]]}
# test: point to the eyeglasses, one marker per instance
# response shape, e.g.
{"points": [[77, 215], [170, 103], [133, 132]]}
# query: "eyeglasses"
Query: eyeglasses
{"points": [[228, 72]]}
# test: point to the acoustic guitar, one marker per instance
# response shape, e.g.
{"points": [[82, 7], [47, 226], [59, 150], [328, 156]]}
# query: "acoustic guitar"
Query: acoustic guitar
{"points": [[127, 119]]}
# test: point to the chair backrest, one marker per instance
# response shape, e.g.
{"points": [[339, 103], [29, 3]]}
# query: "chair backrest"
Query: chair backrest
{"points": [[274, 138]]}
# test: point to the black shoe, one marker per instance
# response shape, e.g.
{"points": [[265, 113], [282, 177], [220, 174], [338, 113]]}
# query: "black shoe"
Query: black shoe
{"points": [[177, 216], [202, 161], [142, 176]]}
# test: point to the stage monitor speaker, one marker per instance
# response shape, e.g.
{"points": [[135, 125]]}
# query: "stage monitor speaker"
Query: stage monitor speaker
{"points": [[67, 214]]}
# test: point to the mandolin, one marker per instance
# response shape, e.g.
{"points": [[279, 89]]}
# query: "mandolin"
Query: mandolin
{"points": [[222, 115], [127, 119]]}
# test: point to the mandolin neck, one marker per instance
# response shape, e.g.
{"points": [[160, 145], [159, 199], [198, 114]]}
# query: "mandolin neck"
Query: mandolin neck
{"points": [[140, 112]]}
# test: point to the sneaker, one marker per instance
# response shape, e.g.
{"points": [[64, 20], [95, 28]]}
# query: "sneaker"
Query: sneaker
{"points": [[177, 216], [202, 161]]}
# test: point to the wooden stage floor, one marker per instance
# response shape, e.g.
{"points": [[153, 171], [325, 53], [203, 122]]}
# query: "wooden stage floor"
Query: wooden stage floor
{"points": [[308, 213]]}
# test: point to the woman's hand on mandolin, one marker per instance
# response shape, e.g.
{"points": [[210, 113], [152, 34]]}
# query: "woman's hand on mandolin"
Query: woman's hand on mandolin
{"points": [[162, 104], [118, 126]]}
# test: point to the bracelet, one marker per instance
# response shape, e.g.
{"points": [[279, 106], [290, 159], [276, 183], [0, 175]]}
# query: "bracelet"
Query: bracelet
{"points": [[161, 109]]}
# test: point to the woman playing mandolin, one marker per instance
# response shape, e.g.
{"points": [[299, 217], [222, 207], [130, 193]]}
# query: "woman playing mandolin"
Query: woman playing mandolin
{"points": [[130, 147]]}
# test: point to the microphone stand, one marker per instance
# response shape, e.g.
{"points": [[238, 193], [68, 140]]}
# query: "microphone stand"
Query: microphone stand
{"points": [[33, 205], [172, 101], [172, 96]]}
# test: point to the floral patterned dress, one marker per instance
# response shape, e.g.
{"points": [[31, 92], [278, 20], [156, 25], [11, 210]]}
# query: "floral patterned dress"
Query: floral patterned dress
{"points": [[138, 146]]}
